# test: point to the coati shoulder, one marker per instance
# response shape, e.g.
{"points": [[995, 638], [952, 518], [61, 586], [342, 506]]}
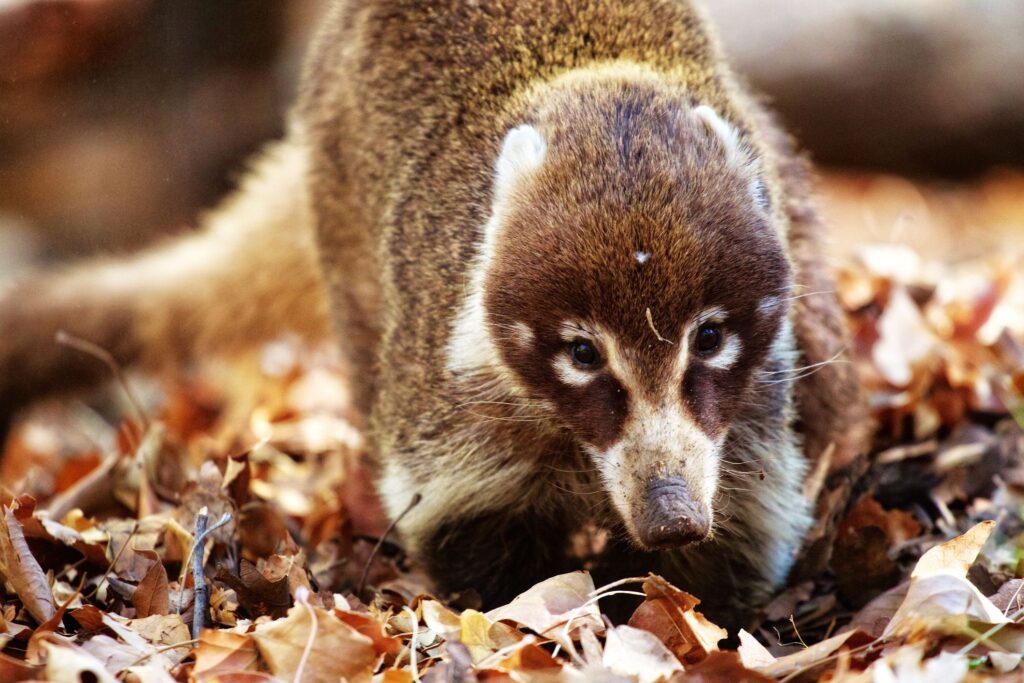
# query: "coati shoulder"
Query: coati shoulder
{"points": [[564, 251]]}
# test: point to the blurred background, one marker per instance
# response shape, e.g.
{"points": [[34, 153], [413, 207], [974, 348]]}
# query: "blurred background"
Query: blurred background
{"points": [[121, 119]]}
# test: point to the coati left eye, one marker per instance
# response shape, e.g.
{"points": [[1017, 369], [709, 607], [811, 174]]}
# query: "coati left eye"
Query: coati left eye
{"points": [[709, 337], [584, 353]]}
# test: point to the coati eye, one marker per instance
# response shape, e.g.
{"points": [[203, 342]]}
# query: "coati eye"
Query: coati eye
{"points": [[584, 353], [709, 337]]}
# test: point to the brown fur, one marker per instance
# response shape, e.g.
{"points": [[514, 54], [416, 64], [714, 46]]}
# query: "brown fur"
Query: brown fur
{"points": [[403, 113]]}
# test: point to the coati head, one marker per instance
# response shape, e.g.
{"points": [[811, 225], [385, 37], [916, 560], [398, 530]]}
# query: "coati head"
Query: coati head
{"points": [[633, 277]]}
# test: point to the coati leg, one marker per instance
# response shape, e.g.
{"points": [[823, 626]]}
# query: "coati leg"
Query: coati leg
{"points": [[498, 554], [250, 274]]}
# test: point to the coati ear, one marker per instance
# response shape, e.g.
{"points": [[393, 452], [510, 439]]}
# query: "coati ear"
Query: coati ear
{"points": [[736, 151], [522, 152], [471, 347]]}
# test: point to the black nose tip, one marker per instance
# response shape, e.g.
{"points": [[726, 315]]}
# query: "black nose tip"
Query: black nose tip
{"points": [[672, 517]]}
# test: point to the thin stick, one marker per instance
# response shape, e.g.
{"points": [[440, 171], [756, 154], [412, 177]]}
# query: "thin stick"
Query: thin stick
{"points": [[202, 596], [198, 579], [161, 650], [104, 356], [412, 641], [110, 567], [380, 542], [991, 632], [302, 597]]}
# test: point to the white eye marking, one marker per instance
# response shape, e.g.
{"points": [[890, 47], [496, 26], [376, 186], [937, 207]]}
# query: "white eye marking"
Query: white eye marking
{"points": [[570, 331], [715, 314], [522, 335], [569, 373], [727, 354], [642, 257]]}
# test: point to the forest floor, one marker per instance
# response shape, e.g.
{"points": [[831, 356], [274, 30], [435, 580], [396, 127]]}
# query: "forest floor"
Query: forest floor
{"points": [[925, 581]]}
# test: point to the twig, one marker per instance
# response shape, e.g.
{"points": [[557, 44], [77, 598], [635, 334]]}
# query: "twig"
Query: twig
{"points": [[380, 542], [302, 597], [96, 351], [161, 650], [198, 579], [991, 632], [110, 567], [412, 641], [201, 600]]}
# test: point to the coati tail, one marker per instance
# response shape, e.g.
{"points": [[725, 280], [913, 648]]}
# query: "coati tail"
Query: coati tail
{"points": [[251, 273]]}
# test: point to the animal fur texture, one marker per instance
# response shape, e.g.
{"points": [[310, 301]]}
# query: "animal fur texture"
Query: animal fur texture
{"points": [[482, 197]]}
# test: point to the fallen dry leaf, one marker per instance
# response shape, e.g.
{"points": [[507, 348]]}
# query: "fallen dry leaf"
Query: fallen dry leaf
{"points": [[554, 608], [19, 568], [223, 652], [668, 613], [324, 647], [638, 654]]}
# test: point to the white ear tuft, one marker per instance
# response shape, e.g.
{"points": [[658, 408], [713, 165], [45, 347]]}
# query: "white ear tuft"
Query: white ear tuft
{"points": [[522, 152], [736, 152], [725, 133]]}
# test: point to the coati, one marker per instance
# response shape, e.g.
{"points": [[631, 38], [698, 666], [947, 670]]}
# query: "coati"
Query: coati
{"points": [[575, 268]]}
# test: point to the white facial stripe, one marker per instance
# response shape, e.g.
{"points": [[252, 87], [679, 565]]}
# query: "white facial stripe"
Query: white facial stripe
{"points": [[727, 355], [569, 373]]}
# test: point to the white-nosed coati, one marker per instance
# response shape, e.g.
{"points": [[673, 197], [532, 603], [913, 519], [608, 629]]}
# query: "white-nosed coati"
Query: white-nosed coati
{"points": [[574, 266]]}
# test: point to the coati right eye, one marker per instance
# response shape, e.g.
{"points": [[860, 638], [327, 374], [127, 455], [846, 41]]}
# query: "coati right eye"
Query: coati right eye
{"points": [[584, 353]]}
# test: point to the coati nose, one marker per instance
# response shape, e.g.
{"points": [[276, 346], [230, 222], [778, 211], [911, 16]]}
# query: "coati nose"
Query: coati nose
{"points": [[672, 517]]}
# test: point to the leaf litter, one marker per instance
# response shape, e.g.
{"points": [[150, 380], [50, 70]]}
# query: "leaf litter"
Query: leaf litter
{"points": [[925, 581]]}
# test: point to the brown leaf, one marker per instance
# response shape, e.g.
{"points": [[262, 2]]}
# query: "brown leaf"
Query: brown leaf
{"points": [[335, 649], [152, 595], [372, 629], [223, 652], [22, 571], [14, 670], [723, 667], [256, 594], [668, 613]]}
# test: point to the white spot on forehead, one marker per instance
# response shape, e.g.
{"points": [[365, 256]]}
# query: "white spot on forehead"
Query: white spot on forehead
{"points": [[726, 357], [569, 373], [642, 257]]}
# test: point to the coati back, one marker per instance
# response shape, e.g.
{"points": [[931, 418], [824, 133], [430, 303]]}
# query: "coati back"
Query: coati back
{"points": [[567, 256]]}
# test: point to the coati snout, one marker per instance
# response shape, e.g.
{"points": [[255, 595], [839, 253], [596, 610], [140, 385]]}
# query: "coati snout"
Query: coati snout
{"points": [[671, 517]]}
